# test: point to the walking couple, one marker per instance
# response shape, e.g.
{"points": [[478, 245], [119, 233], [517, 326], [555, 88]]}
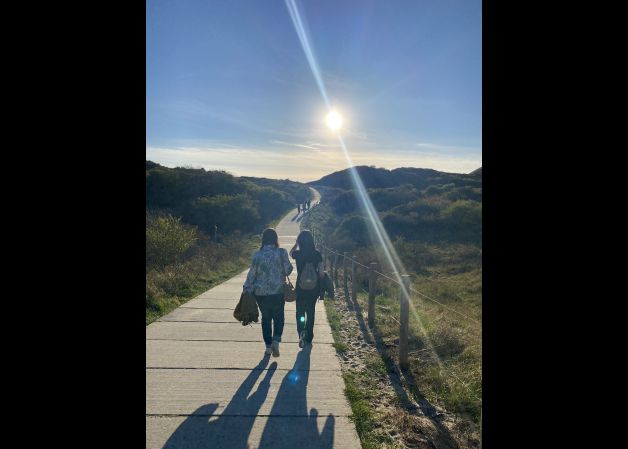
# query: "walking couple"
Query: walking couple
{"points": [[269, 268]]}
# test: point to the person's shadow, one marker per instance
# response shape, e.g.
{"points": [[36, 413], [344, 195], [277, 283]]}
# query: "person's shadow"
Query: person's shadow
{"points": [[203, 429], [301, 429], [288, 426]]}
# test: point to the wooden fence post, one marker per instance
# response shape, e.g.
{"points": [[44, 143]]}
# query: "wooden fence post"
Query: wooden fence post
{"points": [[354, 283], [335, 271], [372, 270], [344, 274], [404, 311]]}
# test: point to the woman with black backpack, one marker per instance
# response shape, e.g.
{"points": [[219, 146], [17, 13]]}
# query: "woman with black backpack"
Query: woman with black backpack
{"points": [[309, 274]]}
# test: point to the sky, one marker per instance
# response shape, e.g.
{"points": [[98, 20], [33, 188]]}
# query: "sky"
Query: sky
{"points": [[229, 85]]}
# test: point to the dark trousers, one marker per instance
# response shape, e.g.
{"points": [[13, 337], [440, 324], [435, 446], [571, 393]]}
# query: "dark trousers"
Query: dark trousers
{"points": [[306, 309], [272, 311]]}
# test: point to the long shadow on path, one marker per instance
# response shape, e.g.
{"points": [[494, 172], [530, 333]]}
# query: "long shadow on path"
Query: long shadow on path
{"points": [[291, 426], [203, 430]]}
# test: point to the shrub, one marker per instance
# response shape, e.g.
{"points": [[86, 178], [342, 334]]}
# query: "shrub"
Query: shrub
{"points": [[229, 212], [464, 193], [354, 228], [345, 202], [446, 341], [464, 219], [384, 199], [166, 240]]}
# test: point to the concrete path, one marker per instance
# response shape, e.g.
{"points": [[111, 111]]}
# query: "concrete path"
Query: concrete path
{"points": [[209, 384]]}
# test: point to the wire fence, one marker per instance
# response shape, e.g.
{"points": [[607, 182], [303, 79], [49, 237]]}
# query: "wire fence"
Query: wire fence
{"points": [[346, 264], [413, 290]]}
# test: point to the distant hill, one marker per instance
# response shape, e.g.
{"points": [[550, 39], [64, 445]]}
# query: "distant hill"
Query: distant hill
{"points": [[476, 172], [412, 203], [207, 198], [377, 178]]}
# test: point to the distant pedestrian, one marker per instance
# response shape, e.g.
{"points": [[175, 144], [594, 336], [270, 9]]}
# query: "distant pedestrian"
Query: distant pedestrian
{"points": [[298, 209], [269, 267], [309, 274]]}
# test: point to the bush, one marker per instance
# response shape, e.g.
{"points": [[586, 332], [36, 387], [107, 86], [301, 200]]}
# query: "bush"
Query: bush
{"points": [[354, 228], [166, 240], [345, 202], [302, 194], [464, 219], [204, 198], [229, 212], [446, 341], [384, 199], [465, 193]]}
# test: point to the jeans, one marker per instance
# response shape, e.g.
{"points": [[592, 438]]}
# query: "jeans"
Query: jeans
{"points": [[272, 310], [306, 308]]}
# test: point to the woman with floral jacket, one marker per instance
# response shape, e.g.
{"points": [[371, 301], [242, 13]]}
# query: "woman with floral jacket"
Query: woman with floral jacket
{"points": [[269, 267]]}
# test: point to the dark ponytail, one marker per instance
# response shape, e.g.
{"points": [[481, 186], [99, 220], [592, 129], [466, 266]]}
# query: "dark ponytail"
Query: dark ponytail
{"points": [[306, 243]]}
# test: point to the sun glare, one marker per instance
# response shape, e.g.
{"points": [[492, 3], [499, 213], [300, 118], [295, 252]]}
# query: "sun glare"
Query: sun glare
{"points": [[334, 121]]}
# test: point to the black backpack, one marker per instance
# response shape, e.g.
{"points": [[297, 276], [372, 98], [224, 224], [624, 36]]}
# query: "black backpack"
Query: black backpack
{"points": [[308, 280]]}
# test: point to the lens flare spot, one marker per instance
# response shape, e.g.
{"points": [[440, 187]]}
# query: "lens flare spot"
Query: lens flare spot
{"points": [[302, 319], [334, 120], [293, 377]]}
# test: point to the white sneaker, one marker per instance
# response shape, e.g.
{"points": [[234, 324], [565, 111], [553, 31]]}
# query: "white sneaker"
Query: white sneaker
{"points": [[275, 348], [269, 350]]}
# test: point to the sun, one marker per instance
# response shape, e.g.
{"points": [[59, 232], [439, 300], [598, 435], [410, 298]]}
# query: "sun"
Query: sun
{"points": [[334, 120]]}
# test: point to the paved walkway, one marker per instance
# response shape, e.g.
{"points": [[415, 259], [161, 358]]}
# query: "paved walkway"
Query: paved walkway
{"points": [[209, 384]]}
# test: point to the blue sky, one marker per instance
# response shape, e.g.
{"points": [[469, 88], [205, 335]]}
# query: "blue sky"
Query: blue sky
{"points": [[228, 85]]}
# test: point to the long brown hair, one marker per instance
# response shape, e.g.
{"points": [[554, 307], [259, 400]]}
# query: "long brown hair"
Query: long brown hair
{"points": [[306, 243], [269, 237]]}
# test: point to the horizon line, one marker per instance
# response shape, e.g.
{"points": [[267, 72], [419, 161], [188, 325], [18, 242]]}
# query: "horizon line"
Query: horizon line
{"points": [[199, 167]]}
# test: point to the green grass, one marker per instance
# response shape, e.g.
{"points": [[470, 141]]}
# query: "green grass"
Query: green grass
{"points": [[360, 390], [333, 317], [445, 354], [445, 349], [173, 286], [334, 322], [436, 336], [362, 413]]}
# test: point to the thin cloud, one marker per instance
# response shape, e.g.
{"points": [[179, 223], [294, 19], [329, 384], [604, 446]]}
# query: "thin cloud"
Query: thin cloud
{"points": [[445, 147], [315, 144], [308, 145], [298, 145]]}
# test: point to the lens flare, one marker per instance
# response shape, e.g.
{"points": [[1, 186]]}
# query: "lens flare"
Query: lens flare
{"points": [[300, 27], [335, 123], [293, 377], [334, 120], [376, 226]]}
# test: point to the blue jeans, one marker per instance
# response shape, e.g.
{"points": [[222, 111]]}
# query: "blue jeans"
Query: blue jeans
{"points": [[272, 310]]}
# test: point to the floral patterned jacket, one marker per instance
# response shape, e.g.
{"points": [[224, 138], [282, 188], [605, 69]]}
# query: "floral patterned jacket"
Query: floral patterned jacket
{"points": [[266, 276]]}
